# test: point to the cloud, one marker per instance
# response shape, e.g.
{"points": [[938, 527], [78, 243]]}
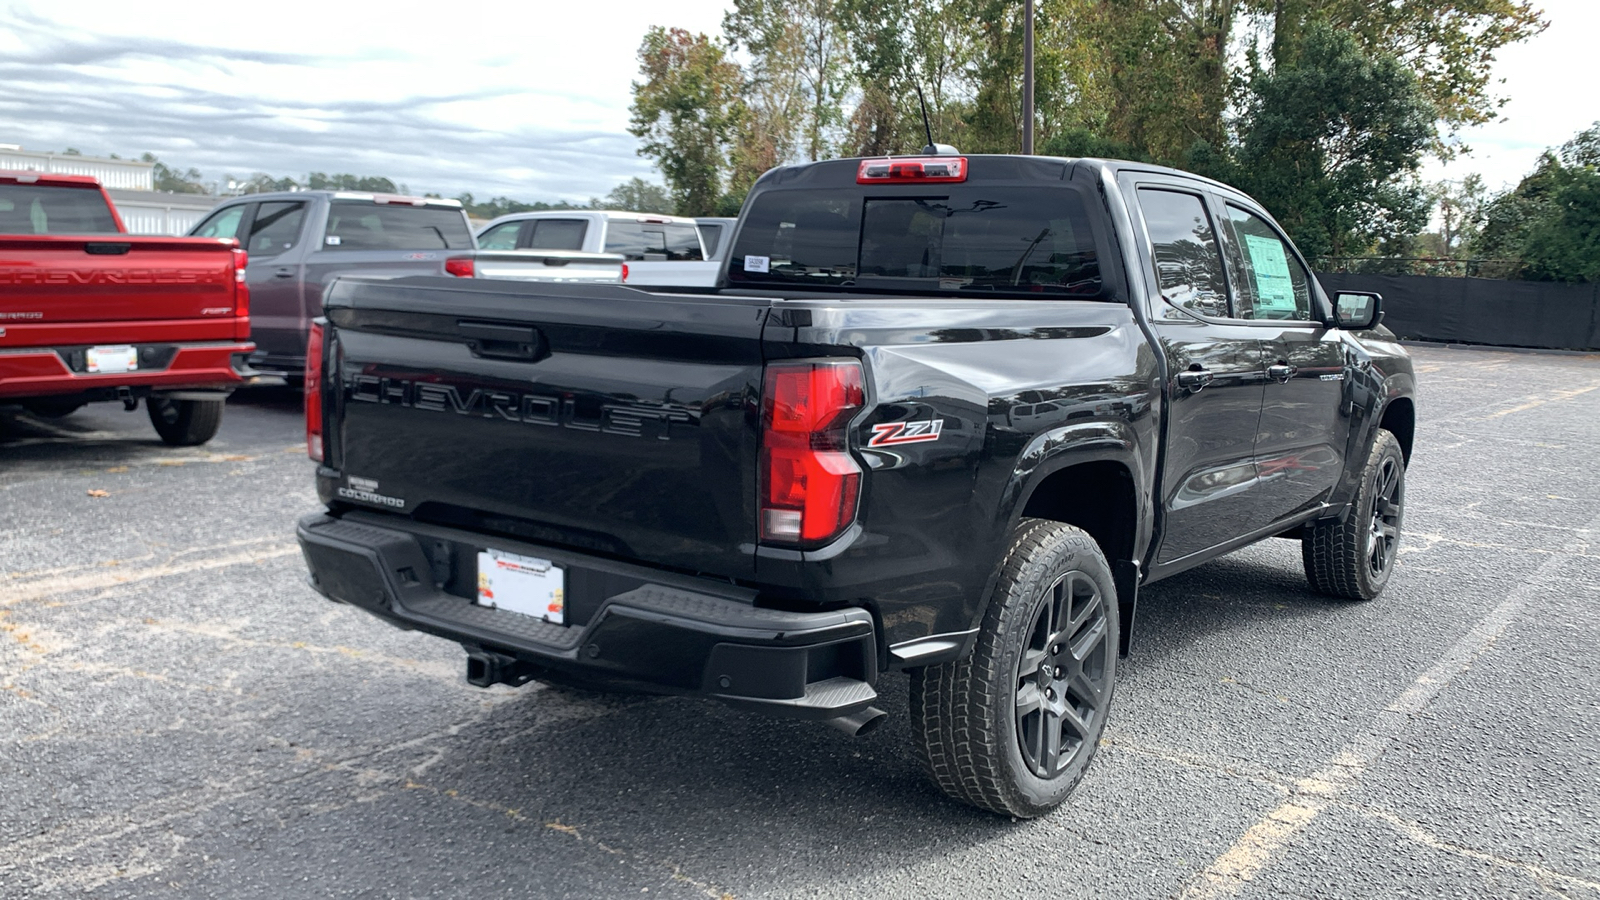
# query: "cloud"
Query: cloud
{"points": [[369, 111]]}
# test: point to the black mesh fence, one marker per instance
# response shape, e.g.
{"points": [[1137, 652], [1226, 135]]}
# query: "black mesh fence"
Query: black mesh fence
{"points": [[1448, 267], [1536, 314]]}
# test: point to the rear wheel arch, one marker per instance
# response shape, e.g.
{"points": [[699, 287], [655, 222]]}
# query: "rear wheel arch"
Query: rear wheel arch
{"points": [[1098, 496]]}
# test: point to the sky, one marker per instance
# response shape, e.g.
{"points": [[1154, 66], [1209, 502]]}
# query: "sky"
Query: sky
{"points": [[525, 100]]}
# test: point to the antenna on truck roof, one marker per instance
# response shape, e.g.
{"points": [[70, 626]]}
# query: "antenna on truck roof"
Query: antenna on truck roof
{"points": [[932, 149]]}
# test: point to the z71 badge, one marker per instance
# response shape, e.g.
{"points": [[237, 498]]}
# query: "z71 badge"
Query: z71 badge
{"points": [[890, 434]]}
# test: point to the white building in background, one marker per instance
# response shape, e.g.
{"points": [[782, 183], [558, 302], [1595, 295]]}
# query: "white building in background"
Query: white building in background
{"points": [[130, 182], [160, 212]]}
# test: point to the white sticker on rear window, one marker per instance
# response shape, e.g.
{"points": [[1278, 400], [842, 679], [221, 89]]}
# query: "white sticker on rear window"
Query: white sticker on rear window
{"points": [[757, 263], [331, 240]]}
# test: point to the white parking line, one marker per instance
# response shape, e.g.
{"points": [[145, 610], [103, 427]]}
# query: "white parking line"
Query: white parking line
{"points": [[1271, 834]]}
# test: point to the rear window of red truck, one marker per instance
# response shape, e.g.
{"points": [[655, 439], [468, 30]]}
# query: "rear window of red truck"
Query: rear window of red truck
{"points": [[53, 209]]}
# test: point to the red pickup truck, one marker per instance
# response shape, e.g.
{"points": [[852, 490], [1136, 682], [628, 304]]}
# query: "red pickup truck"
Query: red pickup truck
{"points": [[89, 312]]}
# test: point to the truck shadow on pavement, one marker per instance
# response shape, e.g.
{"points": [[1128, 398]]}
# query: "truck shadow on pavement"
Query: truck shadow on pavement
{"points": [[739, 800]]}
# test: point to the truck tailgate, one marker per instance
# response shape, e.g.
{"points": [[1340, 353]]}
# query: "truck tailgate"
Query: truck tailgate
{"points": [[117, 278], [591, 416]]}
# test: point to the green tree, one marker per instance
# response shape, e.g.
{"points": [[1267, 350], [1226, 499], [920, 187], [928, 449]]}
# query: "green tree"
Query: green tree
{"points": [[687, 112], [261, 183], [799, 68], [318, 181], [176, 181], [1449, 45], [637, 195], [1548, 226], [1331, 146]]}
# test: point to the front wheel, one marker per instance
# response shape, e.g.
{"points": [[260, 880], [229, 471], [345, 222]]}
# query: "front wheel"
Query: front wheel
{"points": [[185, 423], [1012, 728], [1353, 558]]}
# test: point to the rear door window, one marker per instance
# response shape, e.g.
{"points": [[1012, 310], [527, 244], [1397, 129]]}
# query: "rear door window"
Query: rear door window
{"points": [[53, 209], [360, 225], [674, 241], [276, 227], [991, 240], [558, 234], [710, 236], [1184, 243]]}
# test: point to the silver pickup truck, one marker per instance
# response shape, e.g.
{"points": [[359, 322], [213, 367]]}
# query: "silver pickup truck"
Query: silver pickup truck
{"points": [[298, 241], [655, 249]]}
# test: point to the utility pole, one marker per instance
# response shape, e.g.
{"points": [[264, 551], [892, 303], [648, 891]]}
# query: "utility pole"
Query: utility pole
{"points": [[1027, 78]]}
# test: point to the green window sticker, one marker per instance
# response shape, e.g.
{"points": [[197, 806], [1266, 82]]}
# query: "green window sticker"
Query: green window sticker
{"points": [[1274, 289]]}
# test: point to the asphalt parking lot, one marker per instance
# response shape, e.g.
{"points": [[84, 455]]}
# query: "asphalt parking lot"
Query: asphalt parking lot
{"points": [[180, 716]]}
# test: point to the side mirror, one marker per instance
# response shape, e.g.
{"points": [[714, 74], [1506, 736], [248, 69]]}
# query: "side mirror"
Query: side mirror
{"points": [[1358, 310]]}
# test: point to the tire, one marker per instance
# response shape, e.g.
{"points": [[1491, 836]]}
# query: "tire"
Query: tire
{"points": [[1353, 559], [185, 423], [53, 409], [1047, 647]]}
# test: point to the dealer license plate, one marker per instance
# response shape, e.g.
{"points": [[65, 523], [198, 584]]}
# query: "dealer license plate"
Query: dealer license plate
{"points": [[522, 584], [103, 360]]}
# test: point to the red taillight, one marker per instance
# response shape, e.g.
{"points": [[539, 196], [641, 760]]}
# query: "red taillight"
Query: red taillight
{"points": [[809, 480], [241, 295], [314, 393], [912, 170], [624, 272], [460, 266]]}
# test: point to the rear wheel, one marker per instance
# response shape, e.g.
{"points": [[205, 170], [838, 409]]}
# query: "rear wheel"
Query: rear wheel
{"points": [[1012, 728], [185, 423], [1354, 558]]}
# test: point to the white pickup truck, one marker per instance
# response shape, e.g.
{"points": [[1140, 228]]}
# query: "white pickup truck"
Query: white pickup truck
{"points": [[655, 249]]}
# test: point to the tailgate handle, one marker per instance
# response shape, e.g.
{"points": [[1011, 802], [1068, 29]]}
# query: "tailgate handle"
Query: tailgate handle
{"points": [[101, 248], [502, 341]]}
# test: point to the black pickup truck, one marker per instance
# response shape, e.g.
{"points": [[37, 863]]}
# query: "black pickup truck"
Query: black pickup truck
{"points": [[942, 414]]}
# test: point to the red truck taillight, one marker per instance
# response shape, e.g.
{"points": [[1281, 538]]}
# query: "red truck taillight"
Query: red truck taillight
{"points": [[809, 481], [459, 266], [241, 295], [314, 393]]}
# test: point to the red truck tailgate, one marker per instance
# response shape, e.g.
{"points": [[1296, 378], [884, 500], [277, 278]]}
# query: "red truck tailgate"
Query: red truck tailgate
{"points": [[48, 279]]}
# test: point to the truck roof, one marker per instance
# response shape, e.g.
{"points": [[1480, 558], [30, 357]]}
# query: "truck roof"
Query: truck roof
{"points": [[1113, 166], [390, 199], [84, 181], [596, 213]]}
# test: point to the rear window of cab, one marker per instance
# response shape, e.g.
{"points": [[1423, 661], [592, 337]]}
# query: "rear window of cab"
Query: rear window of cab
{"points": [[960, 238], [359, 225], [53, 209]]}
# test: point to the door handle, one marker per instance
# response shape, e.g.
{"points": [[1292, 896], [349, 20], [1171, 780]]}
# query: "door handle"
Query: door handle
{"points": [[1281, 372], [284, 272], [1194, 379]]}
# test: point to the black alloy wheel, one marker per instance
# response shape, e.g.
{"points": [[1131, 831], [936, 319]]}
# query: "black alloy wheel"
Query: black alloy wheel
{"points": [[1353, 557], [1388, 503], [1013, 726], [1061, 675]]}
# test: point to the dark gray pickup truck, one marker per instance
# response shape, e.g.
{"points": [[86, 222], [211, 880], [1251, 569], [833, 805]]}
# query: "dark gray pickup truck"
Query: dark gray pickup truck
{"points": [[299, 241], [942, 414]]}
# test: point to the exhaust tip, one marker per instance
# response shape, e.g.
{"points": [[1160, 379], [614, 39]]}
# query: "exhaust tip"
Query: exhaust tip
{"points": [[860, 722]]}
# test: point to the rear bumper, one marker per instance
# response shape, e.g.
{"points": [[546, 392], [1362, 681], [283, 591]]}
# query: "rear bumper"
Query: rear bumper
{"points": [[632, 627], [45, 371]]}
